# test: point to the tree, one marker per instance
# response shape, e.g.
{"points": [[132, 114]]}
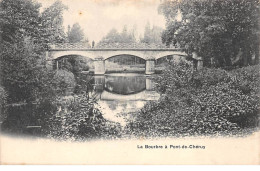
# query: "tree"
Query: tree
{"points": [[19, 27], [126, 37], [147, 34], [24, 39], [133, 33], [152, 35], [19, 18], [75, 34], [113, 36], [52, 23], [216, 30], [24, 74]]}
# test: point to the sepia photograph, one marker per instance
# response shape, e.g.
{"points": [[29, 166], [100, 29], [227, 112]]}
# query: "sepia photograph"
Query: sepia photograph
{"points": [[129, 82]]}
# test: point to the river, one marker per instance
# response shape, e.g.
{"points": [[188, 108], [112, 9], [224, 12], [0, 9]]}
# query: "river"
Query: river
{"points": [[123, 93]]}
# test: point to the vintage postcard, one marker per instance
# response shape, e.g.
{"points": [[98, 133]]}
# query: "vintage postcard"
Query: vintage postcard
{"points": [[121, 82]]}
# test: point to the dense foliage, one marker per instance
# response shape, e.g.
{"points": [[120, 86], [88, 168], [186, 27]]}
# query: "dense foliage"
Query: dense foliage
{"points": [[25, 34], [222, 32], [77, 118], [205, 102], [75, 64], [25, 77], [52, 23], [63, 82], [3, 98]]}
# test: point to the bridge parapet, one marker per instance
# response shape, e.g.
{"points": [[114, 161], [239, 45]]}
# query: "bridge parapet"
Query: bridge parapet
{"points": [[67, 46], [135, 46]]}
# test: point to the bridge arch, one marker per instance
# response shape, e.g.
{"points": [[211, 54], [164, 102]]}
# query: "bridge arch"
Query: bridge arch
{"points": [[169, 58], [74, 56], [125, 94], [124, 54], [124, 63], [111, 54], [169, 53], [143, 96], [72, 62]]}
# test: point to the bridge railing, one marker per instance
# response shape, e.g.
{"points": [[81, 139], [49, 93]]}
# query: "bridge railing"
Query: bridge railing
{"points": [[108, 46], [69, 46], [132, 45]]}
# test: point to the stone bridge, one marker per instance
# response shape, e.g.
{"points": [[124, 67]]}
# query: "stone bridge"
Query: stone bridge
{"points": [[99, 55]]}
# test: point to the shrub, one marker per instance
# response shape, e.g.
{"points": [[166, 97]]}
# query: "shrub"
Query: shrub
{"points": [[3, 99], [77, 118], [228, 103], [77, 64], [174, 77], [63, 82], [209, 101], [208, 77], [247, 79]]}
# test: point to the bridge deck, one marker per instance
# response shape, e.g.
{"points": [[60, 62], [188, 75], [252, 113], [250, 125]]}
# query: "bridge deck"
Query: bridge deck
{"points": [[111, 47], [117, 49], [57, 51]]}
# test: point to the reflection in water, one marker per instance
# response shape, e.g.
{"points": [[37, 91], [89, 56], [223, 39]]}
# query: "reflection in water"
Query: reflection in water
{"points": [[117, 110], [123, 93], [124, 85]]}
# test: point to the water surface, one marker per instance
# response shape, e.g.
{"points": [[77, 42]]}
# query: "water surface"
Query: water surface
{"points": [[119, 94]]}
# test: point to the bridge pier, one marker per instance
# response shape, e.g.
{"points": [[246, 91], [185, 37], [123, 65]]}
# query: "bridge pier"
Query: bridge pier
{"points": [[199, 64], [149, 84], [99, 64], [199, 61], [99, 83], [49, 64], [57, 64], [150, 66]]}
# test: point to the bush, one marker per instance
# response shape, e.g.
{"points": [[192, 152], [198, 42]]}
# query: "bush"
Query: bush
{"points": [[247, 79], [77, 64], [209, 101], [175, 76], [78, 119], [64, 82], [208, 77], [233, 95], [3, 99]]}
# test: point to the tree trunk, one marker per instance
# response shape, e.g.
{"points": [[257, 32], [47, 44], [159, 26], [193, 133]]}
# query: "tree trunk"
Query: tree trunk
{"points": [[257, 53], [246, 55], [228, 61]]}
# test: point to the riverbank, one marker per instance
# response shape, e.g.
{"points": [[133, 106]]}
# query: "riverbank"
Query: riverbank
{"points": [[205, 102]]}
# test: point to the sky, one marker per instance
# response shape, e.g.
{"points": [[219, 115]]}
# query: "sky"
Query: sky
{"points": [[98, 17]]}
